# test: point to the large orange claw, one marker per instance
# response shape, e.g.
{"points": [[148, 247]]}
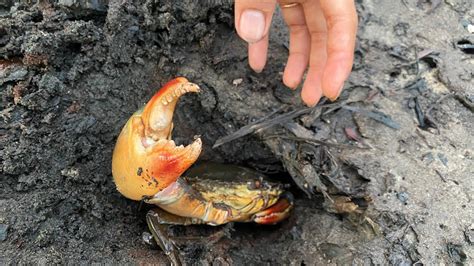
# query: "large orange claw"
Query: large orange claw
{"points": [[145, 159]]}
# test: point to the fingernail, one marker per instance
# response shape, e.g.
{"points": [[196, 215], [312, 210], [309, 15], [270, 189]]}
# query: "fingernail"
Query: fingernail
{"points": [[252, 25], [338, 93]]}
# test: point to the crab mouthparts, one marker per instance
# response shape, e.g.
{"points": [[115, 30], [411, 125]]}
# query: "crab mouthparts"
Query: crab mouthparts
{"points": [[157, 117]]}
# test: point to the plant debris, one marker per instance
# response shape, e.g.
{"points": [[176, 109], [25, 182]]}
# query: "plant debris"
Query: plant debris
{"points": [[376, 115], [262, 124]]}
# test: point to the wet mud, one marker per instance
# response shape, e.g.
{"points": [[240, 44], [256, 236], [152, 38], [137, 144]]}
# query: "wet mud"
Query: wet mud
{"points": [[383, 175]]}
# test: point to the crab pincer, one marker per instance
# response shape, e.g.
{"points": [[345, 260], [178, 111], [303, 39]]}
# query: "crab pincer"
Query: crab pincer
{"points": [[145, 160]]}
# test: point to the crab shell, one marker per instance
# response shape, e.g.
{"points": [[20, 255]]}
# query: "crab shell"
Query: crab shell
{"points": [[145, 160]]}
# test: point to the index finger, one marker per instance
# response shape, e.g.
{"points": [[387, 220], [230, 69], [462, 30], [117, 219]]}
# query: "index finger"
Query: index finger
{"points": [[255, 11], [341, 19]]}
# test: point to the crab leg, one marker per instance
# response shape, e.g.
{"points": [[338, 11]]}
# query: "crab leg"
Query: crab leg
{"points": [[180, 199], [158, 221], [159, 229]]}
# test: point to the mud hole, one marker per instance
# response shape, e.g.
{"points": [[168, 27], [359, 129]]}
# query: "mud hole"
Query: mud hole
{"points": [[399, 142]]}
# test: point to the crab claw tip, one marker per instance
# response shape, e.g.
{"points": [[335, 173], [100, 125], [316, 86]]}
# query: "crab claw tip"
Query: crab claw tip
{"points": [[158, 113]]}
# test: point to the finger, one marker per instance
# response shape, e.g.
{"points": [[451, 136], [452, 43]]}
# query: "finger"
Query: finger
{"points": [[258, 54], [252, 22], [299, 44], [253, 18], [341, 17], [312, 88]]}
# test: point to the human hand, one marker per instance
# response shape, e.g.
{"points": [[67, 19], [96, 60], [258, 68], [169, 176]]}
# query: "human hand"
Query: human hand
{"points": [[322, 41]]}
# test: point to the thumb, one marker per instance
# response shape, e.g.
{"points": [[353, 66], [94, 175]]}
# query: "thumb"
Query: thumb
{"points": [[253, 18]]}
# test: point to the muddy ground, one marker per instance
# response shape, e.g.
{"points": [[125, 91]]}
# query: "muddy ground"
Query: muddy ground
{"points": [[399, 142]]}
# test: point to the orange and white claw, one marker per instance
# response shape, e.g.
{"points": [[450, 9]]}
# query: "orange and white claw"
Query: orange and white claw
{"points": [[145, 159]]}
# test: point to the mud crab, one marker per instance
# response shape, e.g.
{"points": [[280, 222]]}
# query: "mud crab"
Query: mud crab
{"points": [[148, 166]]}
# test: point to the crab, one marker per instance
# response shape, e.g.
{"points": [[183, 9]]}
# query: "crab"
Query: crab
{"points": [[148, 166]]}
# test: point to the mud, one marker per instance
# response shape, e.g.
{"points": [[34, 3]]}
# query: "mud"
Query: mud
{"points": [[400, 137]]}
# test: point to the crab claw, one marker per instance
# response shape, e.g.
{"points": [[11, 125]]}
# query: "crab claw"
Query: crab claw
{"points": [[145, 159]]}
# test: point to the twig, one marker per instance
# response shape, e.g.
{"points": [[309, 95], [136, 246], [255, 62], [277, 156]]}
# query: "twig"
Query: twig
{"points": [[465, 101], [434, 4], [262, 124], [437, 102], [441, 176], [314, 141], [419, 114], [377, 116], [335, 106]]}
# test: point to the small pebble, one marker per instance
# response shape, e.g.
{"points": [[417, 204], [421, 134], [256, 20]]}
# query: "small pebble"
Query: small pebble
{"points": [[3, 232], [133, 29], [13, 75], [402, 196], [428, 158], [457, 254], [469, 234], [443, 159], [148, 239], [237, 82], [470, 28]]}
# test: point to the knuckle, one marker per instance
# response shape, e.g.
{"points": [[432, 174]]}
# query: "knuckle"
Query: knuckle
{"points": [[340, 20], [318, 36], [298, 29]]}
